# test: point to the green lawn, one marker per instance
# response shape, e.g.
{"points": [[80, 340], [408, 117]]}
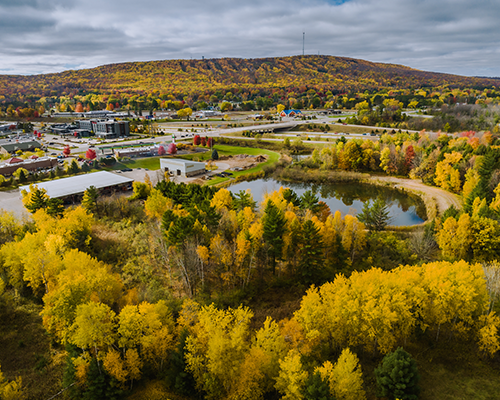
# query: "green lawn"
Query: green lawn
{"points": [[152, 163]]}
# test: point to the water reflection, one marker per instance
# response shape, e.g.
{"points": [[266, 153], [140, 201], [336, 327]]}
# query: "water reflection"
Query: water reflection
{"points": [[404, 209]]}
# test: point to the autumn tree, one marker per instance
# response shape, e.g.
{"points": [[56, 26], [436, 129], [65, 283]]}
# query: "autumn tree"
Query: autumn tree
{"points": [[217, 348], [345, 378], [66, 151], [172, 148], [90, 154], [89, 201]]}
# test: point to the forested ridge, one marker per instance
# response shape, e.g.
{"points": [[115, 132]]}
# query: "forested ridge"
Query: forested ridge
{"points": [[195, 78]]}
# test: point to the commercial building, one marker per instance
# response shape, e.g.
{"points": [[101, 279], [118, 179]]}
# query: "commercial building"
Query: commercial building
{"points": [[71, 189], [106, 129], [8, 167], [133, 152], [181, 167]]}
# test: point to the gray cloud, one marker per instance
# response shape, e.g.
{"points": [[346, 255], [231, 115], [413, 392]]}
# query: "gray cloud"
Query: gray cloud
{"points": [[453, 36]]}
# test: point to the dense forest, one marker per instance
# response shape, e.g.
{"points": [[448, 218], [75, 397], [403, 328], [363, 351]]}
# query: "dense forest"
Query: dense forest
{"points": [[298, 82], [188, 291]]}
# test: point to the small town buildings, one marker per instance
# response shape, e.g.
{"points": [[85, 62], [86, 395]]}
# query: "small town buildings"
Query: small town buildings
{"points": [[72, 188], [10, 146], [180, 167], [8, 167]]}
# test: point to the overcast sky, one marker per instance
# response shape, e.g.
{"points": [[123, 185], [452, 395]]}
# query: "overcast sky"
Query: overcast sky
{"points": [[454, 36]]}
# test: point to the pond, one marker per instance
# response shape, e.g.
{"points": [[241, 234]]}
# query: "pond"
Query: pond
{"points": [[404, 209]]}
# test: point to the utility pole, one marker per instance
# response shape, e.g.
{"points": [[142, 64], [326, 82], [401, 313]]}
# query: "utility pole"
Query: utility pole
{"points": [[303, 41]]}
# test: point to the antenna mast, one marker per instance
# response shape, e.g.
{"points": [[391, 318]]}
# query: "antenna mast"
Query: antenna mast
{"points": [[303, 41]]}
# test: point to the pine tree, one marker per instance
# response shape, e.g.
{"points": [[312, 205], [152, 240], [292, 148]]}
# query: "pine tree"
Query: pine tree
{"points": [[317, 388], [375, 217], [397, 376], [55, 207], [35, 199], [311, 249], [274, 229]]}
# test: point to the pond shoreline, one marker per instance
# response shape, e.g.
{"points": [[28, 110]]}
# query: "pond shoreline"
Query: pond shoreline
{"points": [[436, 200]]}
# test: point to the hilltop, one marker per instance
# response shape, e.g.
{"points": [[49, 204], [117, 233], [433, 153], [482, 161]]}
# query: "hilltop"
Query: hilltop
{"points": [[263, 76]]}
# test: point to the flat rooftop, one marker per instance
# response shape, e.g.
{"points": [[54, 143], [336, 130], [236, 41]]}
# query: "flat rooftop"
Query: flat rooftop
{"points": [[181, 161], [78, 184]]}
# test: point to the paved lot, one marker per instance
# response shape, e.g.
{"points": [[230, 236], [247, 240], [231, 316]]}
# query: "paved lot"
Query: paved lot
{"points": [[11, 201]]}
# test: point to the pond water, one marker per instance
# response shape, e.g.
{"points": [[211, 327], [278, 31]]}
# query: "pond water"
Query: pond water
{"points": [[348, 198]]}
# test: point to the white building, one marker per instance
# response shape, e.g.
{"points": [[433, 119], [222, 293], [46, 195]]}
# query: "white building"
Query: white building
{"points": [[181, 167]]}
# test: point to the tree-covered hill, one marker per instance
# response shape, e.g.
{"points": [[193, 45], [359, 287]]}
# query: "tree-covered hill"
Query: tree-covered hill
{"points": [[264, 76]]}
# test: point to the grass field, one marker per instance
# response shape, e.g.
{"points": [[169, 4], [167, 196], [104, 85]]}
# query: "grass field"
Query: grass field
{"points": [[151, 163]]}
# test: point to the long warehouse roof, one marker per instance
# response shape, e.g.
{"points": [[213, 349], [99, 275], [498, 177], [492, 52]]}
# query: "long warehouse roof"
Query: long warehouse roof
{"points": [[79, 183]]}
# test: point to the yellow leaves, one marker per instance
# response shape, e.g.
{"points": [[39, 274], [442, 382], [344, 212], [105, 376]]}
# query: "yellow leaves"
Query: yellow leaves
{"points": [[488, 335], [345, 377], [222, 200], [245, 218], [10, 390], [123, 369], [292, 377], [455, 237], [93, 326], [217, 347], [114, 364], [203, 253], [379, 309], [447, 175], [156, 204], [296, 337], [81, 365]]}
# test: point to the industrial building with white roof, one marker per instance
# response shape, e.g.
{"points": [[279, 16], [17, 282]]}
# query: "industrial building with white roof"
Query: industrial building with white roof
{"points": [[75, 186]]}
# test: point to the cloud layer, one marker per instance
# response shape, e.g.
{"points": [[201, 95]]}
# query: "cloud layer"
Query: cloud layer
{"points": [[453, 36]]}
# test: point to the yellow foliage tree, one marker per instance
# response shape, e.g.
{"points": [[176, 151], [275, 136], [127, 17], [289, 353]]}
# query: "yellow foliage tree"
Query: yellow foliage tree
{"points": [[292, 377], [217, 348], [345, 377]]}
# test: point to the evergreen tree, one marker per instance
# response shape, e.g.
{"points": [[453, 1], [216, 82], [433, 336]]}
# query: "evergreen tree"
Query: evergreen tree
{"points": [[243, 199], [397, 376], [36, 199], [55, 207], [309, 201], [274, 229], [311, 260], [375, 217], [317, 388], [73, 167], [215, 155], [290, 196], [22, 176]]}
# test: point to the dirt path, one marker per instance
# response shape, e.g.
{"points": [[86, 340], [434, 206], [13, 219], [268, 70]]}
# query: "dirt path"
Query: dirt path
{"points": [[437, 200]]}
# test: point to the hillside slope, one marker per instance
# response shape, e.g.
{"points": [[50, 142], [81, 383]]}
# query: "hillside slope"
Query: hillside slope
{"points": [[191, 77]]}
